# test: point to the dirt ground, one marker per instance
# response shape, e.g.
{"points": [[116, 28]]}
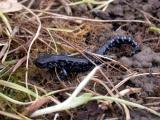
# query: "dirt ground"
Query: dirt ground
{"points": [[88, 35]]}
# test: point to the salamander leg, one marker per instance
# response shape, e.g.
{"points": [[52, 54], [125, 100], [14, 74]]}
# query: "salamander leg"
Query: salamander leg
{"points": [[63, 74]]}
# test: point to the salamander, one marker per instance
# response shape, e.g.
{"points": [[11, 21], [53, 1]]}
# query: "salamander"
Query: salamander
{"points": [[63, 63], [69, 64], [116, 41]]}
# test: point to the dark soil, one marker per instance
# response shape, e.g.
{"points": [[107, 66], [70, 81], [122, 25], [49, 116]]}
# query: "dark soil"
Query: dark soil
{"points": [[91, 35]]}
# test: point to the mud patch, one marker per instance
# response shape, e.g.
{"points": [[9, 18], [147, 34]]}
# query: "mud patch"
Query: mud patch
{"points": [[146, 58]]}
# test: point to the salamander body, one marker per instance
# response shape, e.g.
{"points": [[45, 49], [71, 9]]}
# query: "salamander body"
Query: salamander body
{"points": [[67, 64]]}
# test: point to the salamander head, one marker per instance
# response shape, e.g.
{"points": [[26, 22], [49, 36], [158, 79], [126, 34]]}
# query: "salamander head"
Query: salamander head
{"points": [[45, 61]]}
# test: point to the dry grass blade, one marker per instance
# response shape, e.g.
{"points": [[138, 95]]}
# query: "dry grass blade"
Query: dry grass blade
{"points": [[3, 50], [19, 63], [8, 31], [128, 91], [128, 117], [73, 18], [5, 20], [33, 40], [10, 115], [133, 76], [121, 101]]}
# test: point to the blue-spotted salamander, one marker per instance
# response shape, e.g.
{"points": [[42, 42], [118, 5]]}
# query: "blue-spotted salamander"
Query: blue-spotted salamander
{"points": [[116, 41], [67, 64], [63, 63]]}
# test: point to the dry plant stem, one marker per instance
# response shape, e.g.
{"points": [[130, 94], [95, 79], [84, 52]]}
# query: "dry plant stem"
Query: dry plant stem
{"points": [[121, 93], [128, 117], [107, 4], [18, 64], [46, 9], [6, 52], [66, 104], [145, 14], [121, 101], [104, 85], [90, 2], [16, 112], [6, 72], [110, 59], [30, 46], [104, 5], [30, 3], [23, 1], [72, 18], [128, 91], [56, 116], [153, 104], [56, 49], [3, 50], [8, 31], [20, 47], [132, 76], [111, 93], [102, 117], [10, 115], [61, 90], [39, 38], [151, 98], [150, 39]]}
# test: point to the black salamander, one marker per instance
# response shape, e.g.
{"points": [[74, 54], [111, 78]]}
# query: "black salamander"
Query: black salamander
{"points": [[67, 64], [116, 41], [63, 63]]}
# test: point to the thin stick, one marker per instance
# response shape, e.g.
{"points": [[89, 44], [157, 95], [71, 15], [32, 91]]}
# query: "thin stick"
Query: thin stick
{"points": [[30, 46]]}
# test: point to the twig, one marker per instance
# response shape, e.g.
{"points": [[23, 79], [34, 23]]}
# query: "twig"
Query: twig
{"points": [[133, 76], [30, 46], [73, 18]]}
